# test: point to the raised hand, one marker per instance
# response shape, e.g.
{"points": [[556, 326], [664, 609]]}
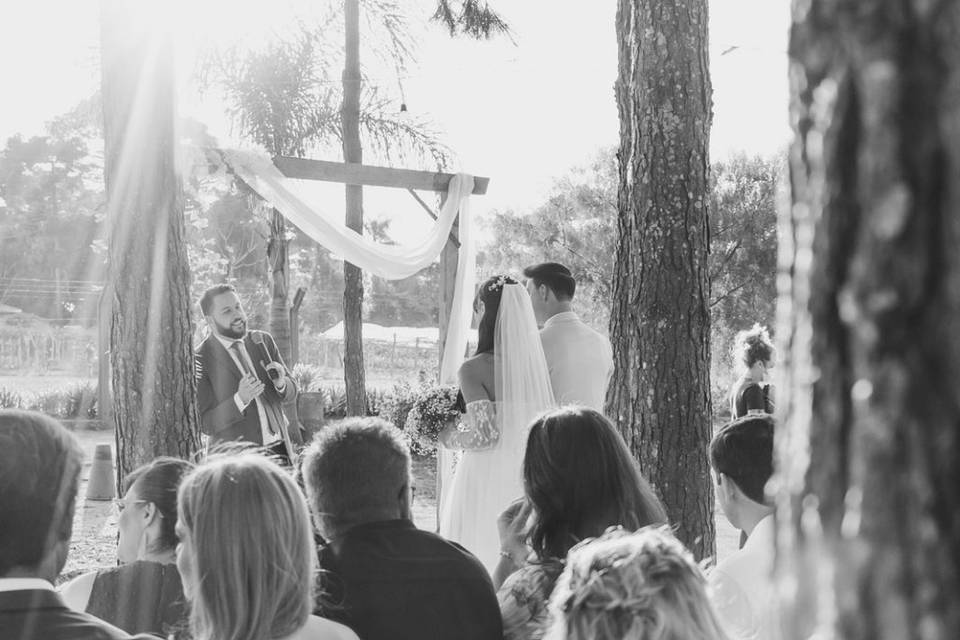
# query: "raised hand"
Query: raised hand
{"points": [[249, 388]]}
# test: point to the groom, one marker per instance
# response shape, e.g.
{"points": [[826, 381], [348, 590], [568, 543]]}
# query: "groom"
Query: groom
{"points": [[580, 360]]}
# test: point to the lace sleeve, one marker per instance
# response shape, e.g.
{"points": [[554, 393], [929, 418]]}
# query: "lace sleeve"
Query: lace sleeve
{"points": [[476, 431]]}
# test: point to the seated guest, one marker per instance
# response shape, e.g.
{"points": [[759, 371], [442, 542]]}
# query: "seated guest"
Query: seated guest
{"points": [[40, 466], [246, 553], [632, 586], [387, 579], [144, 593], [579, 479], [741, 455]]}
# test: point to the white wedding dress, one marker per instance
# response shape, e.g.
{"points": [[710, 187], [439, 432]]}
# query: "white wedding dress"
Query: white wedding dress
{"points": [[486, 482]]}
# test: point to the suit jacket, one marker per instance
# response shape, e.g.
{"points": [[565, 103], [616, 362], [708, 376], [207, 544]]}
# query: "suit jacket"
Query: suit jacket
{"points": [[580, 361], [38, 614], [217, 381]]}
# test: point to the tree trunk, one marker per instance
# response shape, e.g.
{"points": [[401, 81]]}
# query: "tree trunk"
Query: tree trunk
{"points": [[352, 276], [869, 448], [277, 256], [150, 333], [660, 322]]}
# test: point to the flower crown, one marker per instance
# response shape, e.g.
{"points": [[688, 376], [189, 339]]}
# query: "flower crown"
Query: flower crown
{"points": [[497, 284]]}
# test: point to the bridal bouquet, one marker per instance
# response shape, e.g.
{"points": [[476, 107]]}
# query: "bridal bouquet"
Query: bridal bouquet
{"points": [[433, 409]]}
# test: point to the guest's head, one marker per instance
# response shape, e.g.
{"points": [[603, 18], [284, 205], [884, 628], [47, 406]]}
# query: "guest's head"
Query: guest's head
{"points": [[754, 350], [356, 472], [632, 586], [741, 455], [486, 304], [551, 287], [40, 464], [581, 479], [148, 511], [246, 555], [223, 311]]}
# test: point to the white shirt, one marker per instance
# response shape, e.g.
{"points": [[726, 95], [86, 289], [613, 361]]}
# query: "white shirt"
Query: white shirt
{"points": [[580, 360], [742, 589], [25, 584], [265, 434]]}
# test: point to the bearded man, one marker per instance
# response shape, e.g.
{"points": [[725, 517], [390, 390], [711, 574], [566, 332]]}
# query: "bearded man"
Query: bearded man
{"points": [[242, 381]]}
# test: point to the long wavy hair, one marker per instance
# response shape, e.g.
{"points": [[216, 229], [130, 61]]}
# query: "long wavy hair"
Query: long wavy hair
{"points": [[254, 559], [489, 294], [581, 479], [632, 586]]}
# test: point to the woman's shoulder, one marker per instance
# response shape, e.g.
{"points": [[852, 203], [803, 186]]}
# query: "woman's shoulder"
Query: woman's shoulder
{"points": [[318, 628], [76, 592]]}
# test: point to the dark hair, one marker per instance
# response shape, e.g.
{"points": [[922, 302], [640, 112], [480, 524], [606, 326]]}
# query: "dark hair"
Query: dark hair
{"points": [[753, 345], [206, 300], [580, 478], [743, 451], [556, 276], [354, 471], [40, 464], [157, 482], [489, 294]]}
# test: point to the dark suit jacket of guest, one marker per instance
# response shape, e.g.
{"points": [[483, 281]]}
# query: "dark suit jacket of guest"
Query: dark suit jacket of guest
{"points": [[217, 381], [37, 614], [391, 581]]}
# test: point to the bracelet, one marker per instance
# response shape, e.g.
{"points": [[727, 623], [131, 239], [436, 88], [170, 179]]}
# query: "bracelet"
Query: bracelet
{"points": [[507, 555]]}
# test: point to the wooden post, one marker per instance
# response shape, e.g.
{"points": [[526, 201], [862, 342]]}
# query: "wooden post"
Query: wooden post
{"points": [[448, 278], [295, 327], [353, 373]]}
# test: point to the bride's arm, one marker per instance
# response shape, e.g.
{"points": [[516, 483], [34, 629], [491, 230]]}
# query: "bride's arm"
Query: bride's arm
{"points": [[472, 433]]}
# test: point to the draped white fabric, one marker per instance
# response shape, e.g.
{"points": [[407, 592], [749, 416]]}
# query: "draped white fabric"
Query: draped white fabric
{"points": [[392, 262]]}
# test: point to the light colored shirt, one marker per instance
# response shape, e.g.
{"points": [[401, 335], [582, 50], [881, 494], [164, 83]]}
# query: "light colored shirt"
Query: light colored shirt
{"points": [[579, 359], [742, 588], [25, 584], [265, 434]]}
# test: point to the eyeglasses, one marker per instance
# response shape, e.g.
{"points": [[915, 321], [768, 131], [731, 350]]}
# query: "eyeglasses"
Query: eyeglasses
{"points": [[122, 504]]}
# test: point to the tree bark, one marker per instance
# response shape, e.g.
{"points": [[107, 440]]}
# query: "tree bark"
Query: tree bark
{"points": [[353, 371], [151, 353], [660, 324], [868, 454], [278, 257]]}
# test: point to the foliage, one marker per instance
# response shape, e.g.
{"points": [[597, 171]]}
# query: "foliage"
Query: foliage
{"points": [[433, 409], [76, 401], [306, 376], [473, 18]]}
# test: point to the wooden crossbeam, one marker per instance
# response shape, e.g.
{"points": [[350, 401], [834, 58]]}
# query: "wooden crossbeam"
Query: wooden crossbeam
{"points": [[370, 176]]}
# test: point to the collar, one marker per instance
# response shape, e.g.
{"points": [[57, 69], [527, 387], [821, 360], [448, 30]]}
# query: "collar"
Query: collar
{"points": [[399, 524], [563, 316], [25, 584], [227, 342], [763, 534]]}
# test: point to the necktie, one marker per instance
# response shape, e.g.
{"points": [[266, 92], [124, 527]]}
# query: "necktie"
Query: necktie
{"points": [[241, 354]]}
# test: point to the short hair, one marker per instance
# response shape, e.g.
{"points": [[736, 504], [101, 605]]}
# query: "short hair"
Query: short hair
{"points": [[632, 586], [743, 451], [354, 472], [40, 463], [555, 276], [254, 558], [753, 345], [581, 479], [158, 482], [206, 300]]}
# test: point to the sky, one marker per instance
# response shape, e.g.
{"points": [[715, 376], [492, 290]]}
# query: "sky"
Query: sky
{"points": [[520, 112]]}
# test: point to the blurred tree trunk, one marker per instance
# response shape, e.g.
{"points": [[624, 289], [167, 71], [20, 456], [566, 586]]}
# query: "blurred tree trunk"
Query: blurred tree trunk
{"points": [[869, 448], [278, 257], [353, 372], [660, 323], [150, 332]]}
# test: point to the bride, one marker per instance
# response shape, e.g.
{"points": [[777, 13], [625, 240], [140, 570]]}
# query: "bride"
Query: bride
{"points": [[505, 385]]}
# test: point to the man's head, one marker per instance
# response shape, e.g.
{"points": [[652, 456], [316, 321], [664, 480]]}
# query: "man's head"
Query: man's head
{"points": [[40, 466], [741, 455], [355, 472], [551, 287], [223, 311]]}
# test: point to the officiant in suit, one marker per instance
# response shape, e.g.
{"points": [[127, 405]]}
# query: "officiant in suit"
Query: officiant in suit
{"points": [[579, 359], [242, 381]]}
